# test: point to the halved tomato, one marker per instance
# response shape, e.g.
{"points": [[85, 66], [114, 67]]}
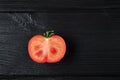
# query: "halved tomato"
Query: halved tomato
{"points": [[49, 48]]}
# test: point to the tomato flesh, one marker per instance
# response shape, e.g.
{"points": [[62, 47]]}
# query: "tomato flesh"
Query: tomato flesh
{"points": [[46, 50]]}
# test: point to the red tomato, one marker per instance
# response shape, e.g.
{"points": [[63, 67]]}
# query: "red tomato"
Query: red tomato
{"points": [[47, 49]]}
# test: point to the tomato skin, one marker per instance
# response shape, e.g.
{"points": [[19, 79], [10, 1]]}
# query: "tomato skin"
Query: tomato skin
{"points": [[46, 50]]}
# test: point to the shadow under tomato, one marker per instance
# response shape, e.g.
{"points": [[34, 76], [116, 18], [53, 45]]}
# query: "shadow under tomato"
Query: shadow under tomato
{"points": [[70, 49]]}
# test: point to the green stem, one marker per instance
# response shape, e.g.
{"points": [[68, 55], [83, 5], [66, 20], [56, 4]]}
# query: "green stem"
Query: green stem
{"points": [[48, 34]]}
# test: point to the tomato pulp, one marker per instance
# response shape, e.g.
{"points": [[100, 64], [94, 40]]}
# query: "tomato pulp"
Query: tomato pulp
{"points": [[49, 48]]}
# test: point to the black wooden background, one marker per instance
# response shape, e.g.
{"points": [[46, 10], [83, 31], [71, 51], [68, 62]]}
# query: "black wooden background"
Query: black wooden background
{"points": [[91, 29]]}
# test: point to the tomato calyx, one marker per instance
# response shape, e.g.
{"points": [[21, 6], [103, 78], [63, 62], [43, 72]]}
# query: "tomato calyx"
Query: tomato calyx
{"points": [[48, 34]]}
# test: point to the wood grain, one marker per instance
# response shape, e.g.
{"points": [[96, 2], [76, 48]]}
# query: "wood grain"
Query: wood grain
{"points": [[90, 29], [92, 43], [48, 5], [58, 78]]}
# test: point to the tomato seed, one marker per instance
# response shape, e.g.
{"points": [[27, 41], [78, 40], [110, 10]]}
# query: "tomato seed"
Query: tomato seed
{"points": [[39, 53], [53, 50]]}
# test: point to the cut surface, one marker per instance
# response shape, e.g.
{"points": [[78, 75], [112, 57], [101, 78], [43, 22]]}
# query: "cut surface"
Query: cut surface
{"points": [[49, 50], [57, 49]]}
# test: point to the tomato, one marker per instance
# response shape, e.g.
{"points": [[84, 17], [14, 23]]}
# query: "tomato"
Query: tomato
{"points": [[49, 48]]}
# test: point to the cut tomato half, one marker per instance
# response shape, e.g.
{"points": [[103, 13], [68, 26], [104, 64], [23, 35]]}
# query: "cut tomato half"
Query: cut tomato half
{"points": [[46, 49]]}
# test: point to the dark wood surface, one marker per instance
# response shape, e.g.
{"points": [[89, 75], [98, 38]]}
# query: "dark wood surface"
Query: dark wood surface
{"points": [[90, 28], [48, 5]]}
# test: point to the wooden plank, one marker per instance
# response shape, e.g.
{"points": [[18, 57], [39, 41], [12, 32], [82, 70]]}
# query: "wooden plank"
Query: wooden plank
{"points": [[48, 5], [53, 5], [60, 78]]}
